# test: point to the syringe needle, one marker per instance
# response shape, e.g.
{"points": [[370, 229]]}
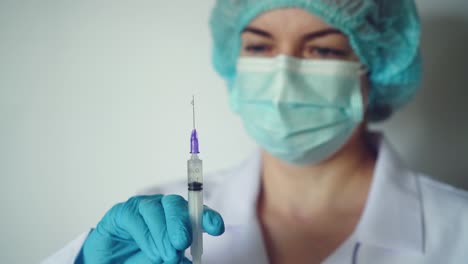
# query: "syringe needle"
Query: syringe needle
{"points": [[193, 110]]}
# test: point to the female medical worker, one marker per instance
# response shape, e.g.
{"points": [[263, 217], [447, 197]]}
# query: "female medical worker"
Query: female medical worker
{"points": [[305, 76]]}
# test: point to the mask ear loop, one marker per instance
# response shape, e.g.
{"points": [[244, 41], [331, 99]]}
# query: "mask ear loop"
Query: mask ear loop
{"points": [[364, 74], [363, 70]]}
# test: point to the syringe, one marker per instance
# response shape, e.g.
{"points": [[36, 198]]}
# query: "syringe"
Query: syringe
{"points": [[195, 194]]}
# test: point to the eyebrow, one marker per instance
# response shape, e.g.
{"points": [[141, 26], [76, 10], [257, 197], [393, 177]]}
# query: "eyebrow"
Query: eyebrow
{"points": [[321, 33], [257, 31], [307, 37]]}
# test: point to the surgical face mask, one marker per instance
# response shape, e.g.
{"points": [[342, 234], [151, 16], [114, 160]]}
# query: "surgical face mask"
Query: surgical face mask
{"points": [[300, 111]]}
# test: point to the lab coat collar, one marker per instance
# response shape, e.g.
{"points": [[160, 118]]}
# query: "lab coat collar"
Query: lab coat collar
{"points": [[239, 201]]}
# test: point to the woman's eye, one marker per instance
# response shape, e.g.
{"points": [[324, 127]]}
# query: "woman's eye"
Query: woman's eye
{"points": [[258, 49], [326, 53]]}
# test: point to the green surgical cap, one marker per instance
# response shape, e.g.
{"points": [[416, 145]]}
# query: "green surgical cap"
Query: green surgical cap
{"points": [[383, 33]]}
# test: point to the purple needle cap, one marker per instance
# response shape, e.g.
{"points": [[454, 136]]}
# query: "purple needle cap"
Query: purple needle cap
{"points": [[194, 143]]}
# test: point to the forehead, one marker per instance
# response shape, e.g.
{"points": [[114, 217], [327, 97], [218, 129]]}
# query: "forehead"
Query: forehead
{"points": [[288, 19]]}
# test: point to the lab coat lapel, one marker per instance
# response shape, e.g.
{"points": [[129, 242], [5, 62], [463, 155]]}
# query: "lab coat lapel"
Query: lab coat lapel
{"points": [[392, 226]]}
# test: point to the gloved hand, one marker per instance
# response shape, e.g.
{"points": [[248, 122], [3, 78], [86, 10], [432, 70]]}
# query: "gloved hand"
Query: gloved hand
{"points": [[146, 229]]}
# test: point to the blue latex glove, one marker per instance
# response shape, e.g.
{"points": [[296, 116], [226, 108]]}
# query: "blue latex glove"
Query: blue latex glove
{"points": [[146, 229]]}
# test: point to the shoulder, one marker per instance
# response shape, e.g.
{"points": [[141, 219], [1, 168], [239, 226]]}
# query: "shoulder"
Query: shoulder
{"points": [[445, 210], [446, 197]]}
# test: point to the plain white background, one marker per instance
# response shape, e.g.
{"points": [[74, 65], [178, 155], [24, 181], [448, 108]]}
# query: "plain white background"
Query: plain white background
{"points": [[94, 105]]}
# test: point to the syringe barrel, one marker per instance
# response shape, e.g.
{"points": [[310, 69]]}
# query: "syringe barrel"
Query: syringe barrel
{"points": [[195, 202]]}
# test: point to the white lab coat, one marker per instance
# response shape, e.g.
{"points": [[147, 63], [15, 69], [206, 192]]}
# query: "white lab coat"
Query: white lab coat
{"points": [[408, 219]]}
